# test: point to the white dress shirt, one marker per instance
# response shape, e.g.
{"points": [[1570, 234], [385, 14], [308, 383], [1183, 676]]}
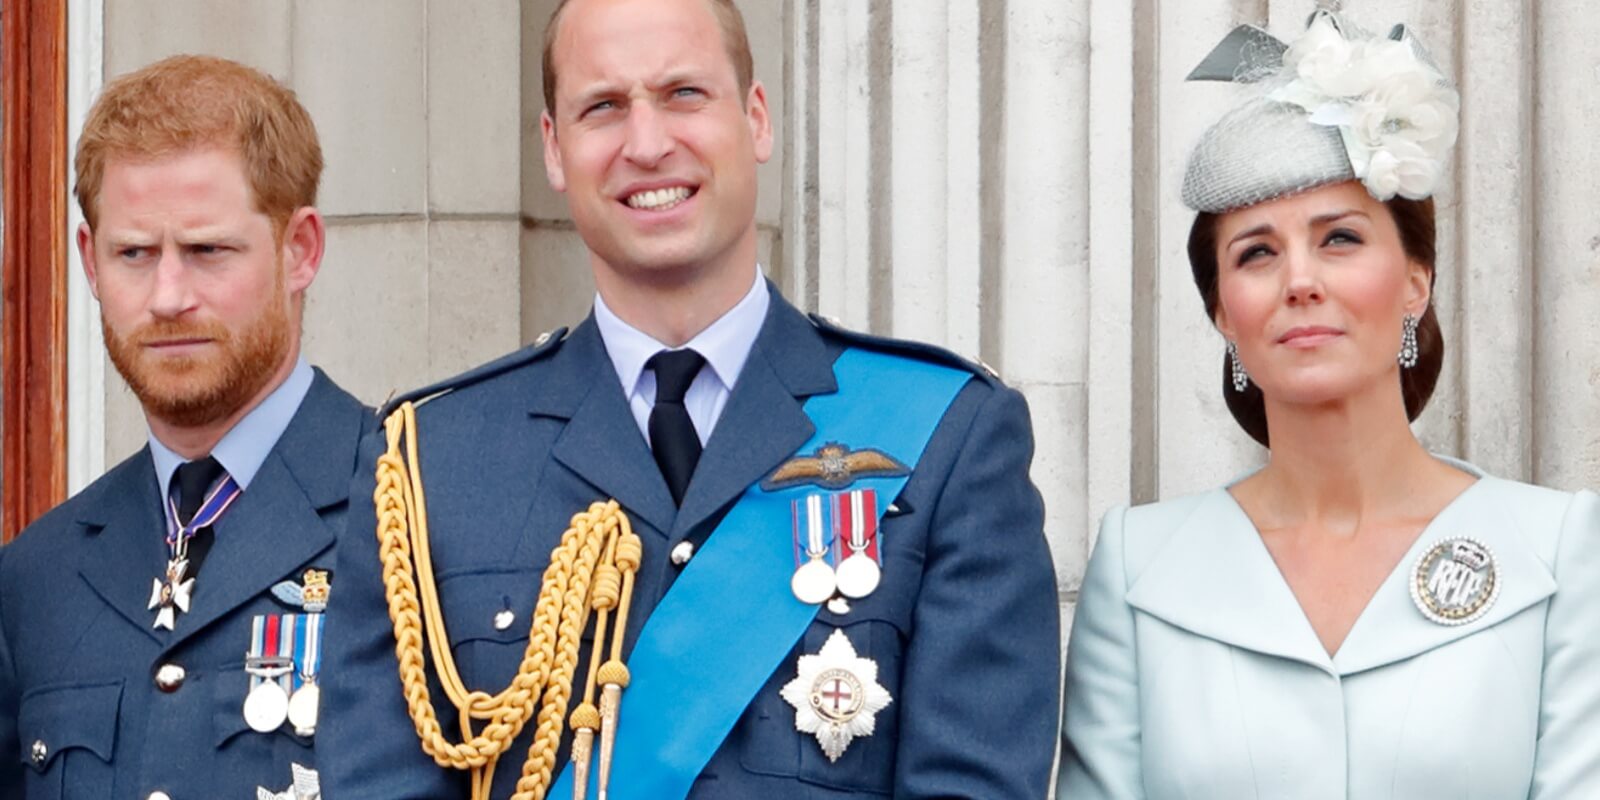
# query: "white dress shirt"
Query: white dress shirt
{"points": [[725, 344]]}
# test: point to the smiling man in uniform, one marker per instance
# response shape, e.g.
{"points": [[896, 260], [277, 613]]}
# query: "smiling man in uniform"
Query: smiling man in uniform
{"points": [[839, 582]]}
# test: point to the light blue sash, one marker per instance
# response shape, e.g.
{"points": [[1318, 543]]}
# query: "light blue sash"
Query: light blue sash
{"points": [[729, 620]]}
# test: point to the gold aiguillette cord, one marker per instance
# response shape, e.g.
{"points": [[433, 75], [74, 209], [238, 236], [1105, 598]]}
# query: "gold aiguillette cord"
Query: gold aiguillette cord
{"points": [[592, 568]]}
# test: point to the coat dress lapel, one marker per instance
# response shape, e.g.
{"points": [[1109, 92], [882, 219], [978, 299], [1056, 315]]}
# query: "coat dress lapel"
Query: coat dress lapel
{"points": [[1392, 629], [1215, 578]]}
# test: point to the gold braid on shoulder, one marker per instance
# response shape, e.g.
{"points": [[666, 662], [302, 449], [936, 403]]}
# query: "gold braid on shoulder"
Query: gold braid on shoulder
{"points": [[592, 568]]}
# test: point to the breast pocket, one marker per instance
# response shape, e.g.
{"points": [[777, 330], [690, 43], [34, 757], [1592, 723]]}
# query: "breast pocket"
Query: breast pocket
{"points": [[771, 744], [67, 733], [488, 614], [241, 749]]}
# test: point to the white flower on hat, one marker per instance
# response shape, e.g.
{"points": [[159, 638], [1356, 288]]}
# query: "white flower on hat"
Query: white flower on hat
{"points": [[1396, 113]]}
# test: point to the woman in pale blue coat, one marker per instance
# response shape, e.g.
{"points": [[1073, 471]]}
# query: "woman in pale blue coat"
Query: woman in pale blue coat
{"points": [[1359, 618]]}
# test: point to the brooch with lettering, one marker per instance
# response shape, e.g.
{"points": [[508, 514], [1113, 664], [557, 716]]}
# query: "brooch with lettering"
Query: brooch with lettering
{"points": [[1455, 581], [836, 696]]}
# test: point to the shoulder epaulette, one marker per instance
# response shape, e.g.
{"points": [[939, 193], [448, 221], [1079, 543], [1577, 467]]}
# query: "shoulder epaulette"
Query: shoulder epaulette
{"points": [[544, 344], [906, 347]]}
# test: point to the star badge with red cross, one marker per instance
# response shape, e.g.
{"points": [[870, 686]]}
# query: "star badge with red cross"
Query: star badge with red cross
{"points": [[836, 696]]}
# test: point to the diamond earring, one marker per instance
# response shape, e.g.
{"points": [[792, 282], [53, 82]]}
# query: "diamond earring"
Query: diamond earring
{"points": [[1241, 379], [1408, 342]]}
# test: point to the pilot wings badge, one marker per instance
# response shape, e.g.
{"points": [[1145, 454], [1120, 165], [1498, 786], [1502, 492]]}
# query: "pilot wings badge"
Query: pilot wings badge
{"points": [[313, 596], [833, 466], [836, 696]]}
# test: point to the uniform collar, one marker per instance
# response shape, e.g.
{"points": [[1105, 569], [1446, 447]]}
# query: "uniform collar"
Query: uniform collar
{"points": [[725, 344], [245, 446], [1214, 577]]}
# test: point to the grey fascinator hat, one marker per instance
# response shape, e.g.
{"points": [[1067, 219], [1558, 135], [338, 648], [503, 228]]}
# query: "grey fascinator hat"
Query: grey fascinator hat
{"points": [[1336, 104]]}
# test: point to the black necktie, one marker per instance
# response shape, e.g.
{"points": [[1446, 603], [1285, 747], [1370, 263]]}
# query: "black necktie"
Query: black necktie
{"points": [[194, 479], [672, 437]]}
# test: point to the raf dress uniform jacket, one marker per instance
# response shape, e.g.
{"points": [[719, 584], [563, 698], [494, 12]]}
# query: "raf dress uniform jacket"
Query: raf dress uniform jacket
{"points": [[964, 627], [1192, 672], [81, 714]]}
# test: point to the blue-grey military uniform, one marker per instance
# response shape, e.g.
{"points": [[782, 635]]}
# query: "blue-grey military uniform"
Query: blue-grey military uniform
{"points": [[963, 628], [95, 703]]}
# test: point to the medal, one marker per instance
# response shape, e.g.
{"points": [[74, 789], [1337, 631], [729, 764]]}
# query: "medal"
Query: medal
{"points": [[1455, 581], [303, 704], [306, 785], [836, 695], [271, 659], [171, 595], [813, 582], [266, 707], [302, 709], [857, 515]]}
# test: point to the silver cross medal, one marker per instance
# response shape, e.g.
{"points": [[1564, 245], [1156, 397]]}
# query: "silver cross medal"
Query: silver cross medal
{"points": [[171, 594]]}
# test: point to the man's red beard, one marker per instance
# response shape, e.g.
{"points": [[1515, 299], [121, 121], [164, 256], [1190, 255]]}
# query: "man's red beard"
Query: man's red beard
{"points": [[190, 391]]}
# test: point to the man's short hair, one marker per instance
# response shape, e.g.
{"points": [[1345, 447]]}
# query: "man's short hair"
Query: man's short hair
{"points": [[187, 102], [734, 39]]}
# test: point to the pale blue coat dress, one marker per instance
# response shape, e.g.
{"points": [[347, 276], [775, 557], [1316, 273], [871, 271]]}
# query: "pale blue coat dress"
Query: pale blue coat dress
{"points": [[1193, 673]]}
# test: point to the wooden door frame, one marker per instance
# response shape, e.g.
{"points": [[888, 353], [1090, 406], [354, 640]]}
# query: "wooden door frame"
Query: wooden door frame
{"points": [[34, 317]]}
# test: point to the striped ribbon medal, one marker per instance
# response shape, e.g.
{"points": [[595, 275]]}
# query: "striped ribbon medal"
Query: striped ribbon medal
{"points": [[171, 593], [303, 703], [271, 667], [856, 516]]}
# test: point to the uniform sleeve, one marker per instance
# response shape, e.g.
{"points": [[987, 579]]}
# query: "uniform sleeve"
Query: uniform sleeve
{"points": [[1567, 760], [366, 745], [10, 766], [980, 682], [1100, 728]]}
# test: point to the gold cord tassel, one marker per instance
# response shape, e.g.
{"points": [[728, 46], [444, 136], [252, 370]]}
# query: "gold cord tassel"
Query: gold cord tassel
{"points": [[598, 551]]}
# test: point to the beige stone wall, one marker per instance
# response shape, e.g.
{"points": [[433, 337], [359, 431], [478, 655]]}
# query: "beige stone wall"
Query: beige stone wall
{"points": [[998, 175], [1003, 175], [446, 246]]}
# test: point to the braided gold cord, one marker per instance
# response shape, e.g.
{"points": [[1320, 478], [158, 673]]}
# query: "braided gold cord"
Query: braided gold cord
{"points": [[599, 550]]}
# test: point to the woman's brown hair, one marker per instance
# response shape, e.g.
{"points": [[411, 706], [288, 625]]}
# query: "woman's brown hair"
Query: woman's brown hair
{"points": [[1418, 234]]}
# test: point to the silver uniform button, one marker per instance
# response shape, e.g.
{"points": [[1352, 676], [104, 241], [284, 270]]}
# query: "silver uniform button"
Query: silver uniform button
{"points": [[542, 339], [159, 795], [682, 553], [170, 677], [39, 752], [504, 619]]}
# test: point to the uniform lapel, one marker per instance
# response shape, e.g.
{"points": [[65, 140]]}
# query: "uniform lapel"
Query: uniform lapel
{"points": [[128, 530], [601, 442], [764, 421], [275, 526], [1393, 629], [1214, 577]]}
